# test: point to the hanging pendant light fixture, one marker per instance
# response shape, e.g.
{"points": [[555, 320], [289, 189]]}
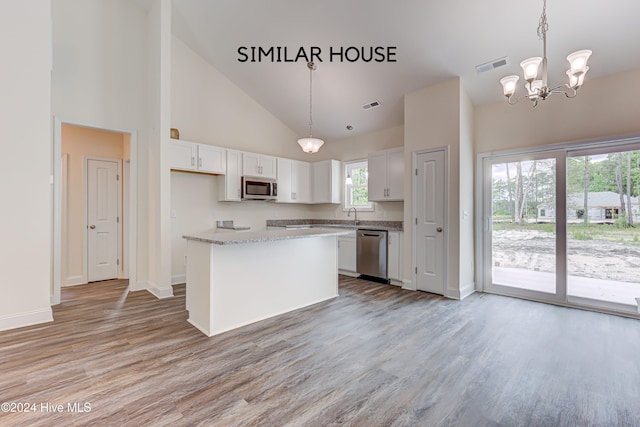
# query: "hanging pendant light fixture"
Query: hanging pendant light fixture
{"points": [[538, 89], [310, 144]]}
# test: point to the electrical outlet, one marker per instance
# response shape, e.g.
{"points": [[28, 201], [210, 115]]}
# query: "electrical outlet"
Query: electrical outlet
{"points": [[173, 213]]}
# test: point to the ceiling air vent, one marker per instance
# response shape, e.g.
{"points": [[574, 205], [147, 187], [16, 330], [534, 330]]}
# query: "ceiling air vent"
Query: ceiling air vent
{"points": [[371, 105], [492, 65]]}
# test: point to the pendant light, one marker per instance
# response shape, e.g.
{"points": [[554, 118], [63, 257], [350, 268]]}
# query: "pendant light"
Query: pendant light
{"points": [[538, 89], [310, 145]]}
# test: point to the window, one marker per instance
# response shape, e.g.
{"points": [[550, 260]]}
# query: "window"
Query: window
{"points": [[356, 192]]}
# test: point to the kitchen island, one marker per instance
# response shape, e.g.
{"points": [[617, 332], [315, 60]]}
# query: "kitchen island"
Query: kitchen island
{"points": [[234, 279]]}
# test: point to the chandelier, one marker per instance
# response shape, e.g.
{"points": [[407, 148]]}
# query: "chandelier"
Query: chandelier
{"points": [[538, 89], [310, 145]]}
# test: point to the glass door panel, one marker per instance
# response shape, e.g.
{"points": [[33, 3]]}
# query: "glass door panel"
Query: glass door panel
{"points": [[523, 227], [603, 229]]}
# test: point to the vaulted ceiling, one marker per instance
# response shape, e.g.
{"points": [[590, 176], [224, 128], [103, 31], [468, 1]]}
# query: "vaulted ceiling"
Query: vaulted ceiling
{"points": [[432, 40]]}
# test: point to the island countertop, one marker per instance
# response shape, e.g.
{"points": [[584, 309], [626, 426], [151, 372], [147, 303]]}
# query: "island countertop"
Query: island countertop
{"points": [[235, 238]]}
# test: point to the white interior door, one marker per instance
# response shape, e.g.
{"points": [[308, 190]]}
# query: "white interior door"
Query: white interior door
{"points": [[102, 219], [430, 225]]}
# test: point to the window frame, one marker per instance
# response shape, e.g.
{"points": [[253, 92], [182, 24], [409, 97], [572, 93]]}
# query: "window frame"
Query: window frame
{"points": [[346, 188]]}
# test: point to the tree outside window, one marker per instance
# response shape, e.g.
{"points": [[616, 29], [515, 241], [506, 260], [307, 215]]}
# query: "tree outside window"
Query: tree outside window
{"points": [[356, 190]]}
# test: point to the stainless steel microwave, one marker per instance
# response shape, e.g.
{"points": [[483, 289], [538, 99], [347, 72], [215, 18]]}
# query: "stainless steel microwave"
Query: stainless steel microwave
{"points": [[259, 188]]}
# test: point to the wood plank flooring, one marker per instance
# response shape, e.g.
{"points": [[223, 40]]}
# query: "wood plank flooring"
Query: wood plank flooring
{"points": [[375, 356]]}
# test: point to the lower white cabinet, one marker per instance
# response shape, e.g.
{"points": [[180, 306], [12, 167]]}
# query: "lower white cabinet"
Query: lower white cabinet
{"points": [[347, 254], [394, 256]]}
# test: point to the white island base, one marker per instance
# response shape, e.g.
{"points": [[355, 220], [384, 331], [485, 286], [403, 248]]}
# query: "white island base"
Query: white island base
{"points": [[232, 283]]}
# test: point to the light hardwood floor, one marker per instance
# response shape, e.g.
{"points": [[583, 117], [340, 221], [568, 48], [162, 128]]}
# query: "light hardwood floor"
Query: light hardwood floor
{"points": [[376, 355]]}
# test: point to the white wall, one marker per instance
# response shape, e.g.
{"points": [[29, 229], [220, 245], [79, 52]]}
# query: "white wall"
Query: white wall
{"points": [[207, 108], [99, 79], [159, 184], [604, 107], [432, 119], [466, 194], [25, 108]]}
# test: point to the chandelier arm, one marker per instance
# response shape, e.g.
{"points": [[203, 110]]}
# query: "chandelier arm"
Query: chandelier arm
{"points": [[568, 91]]}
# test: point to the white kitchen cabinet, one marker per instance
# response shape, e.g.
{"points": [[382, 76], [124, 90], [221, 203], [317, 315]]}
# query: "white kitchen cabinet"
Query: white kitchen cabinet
{"points": [[347, 254], [394, 256], [325, 182], [386, 175], [258, 165], [212, 159], [301, 181], [191, 156], [230, 189], [285, 191], [293, 181]]}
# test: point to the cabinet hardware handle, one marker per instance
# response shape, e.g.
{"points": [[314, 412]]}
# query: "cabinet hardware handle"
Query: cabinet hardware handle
{"points": [[193, 161], [439, 229], [92, 226], [200, 162]]}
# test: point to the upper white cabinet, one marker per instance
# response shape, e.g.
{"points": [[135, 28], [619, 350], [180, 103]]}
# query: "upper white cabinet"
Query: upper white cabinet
{"points": [[258, 165], [301, 182], [293, 181], [325, 182], [191, 156], [230, 189], [284, 180], [386, 175], [212, 159]]}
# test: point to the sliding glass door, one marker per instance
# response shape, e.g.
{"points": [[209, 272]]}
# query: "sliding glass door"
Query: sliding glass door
{"points": [[521, 226], [563, 226], [603, 228]]}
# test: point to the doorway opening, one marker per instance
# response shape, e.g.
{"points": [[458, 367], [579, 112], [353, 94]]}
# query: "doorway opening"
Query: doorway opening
{"points": [[94, 211]]}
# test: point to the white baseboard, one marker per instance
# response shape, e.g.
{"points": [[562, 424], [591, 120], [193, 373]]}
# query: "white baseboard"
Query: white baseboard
{"points": [[348, 273], [467, 290], [409, 285], [29, 318], [139, 286], [461, 293], [74, 280], [160, 292], [178, 279]]}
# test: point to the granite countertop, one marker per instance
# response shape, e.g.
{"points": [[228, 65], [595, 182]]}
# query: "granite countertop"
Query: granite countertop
{"points": [[262, 236], [337, 223]]}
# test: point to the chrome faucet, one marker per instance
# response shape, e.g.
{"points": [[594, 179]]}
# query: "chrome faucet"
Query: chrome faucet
{"points": [[355, 216]]}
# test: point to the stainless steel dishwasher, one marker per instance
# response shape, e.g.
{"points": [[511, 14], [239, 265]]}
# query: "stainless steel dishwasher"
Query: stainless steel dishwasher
{"points": [[371, 259]]}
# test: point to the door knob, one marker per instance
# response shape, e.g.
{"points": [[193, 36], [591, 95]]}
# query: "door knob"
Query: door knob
{"points": [[92, 226], [439, 229]]}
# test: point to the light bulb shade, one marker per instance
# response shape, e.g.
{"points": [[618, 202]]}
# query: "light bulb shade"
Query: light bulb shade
{"points": [[578, 61], [509, 84], [576, 80], [349, 181], [530, 68], [310, 145], [534, 88]]}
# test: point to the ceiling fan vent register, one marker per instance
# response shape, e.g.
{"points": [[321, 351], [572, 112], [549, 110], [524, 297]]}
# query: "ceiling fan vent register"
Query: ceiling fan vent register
{"points": [[538, 89]]}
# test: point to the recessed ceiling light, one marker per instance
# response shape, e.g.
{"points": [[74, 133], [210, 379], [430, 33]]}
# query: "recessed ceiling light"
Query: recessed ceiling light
{"points": [[349, 127]]}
